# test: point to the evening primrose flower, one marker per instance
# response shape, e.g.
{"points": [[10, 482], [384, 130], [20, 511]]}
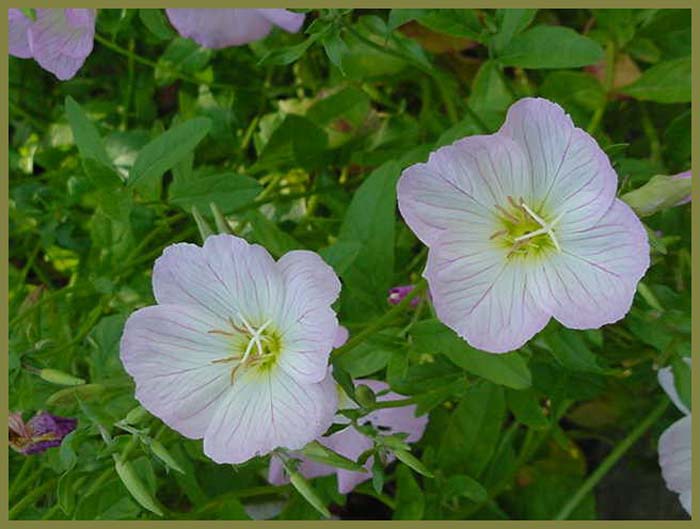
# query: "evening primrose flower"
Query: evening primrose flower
{"points": [[38, 434], [351, 443], [523, 225], [59, 39], [236, 350], [675, 454], [221, 28]]}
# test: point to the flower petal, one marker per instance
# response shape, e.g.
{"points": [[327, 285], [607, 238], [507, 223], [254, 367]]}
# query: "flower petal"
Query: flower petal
{"points": [[571, 172], [61, 39], [395, 420], [287, 20], [593, 280], [19, 24], [226, 277], [460, 185], [306, 320], [480, 295], [168, 351], [675, 459], [266, 410], [220, 28], [668, 383]]}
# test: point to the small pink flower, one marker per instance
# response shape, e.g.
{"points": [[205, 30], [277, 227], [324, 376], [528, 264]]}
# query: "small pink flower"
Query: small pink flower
{"points": [[398, 293], [41, 432], [221, 28], [236, 350], [351, 443], [522, 226], [59, 39]]}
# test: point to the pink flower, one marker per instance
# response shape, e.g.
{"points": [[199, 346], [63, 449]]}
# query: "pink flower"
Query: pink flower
{"points": [[351, 443], [236, 351], [522, 226], [396, 295], [675, 452], [221, 28], [41, 432], [59, 39]]}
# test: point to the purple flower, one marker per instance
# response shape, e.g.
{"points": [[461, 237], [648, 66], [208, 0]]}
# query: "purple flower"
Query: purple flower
{"points": [[684, 176], [236, 351], [522, 226], [41, 432], [221, 28], [351, 443], [396, 295], [675, 453], [59, 39]]}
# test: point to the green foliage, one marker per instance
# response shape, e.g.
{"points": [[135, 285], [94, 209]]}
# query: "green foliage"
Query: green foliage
{"points": [[297, 141]]}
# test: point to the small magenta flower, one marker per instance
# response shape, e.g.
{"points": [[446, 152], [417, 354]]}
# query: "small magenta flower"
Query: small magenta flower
{"points": [[675, 454], [396, 295], [351, 443], [41, 432], [59, 39], [236, 351], [523, 225], [221, 28]]}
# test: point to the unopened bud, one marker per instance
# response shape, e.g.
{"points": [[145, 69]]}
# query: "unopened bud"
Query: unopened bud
{"points": [[365, 396], [59, 377]]}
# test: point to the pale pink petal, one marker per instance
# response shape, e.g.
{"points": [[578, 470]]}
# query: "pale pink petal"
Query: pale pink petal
{"points": [[668, 383], [675, 459], [227, 277], [341, 336], [593, 280], [220, 28], [394, 420], [168, 351], [571, 173], [264, 410], [306, 320], [287, 20], [61, 39], [18, 27], [460, 186]]}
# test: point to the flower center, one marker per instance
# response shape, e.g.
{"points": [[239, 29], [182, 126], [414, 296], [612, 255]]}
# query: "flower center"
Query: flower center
{"points": [[525, 232], [254, 347]]}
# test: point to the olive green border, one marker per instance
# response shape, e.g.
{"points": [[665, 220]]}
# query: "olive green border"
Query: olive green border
{"points": [[4, 254]]}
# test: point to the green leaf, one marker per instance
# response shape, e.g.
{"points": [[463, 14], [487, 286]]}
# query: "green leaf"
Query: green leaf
{"points": [[184, 56], [158, 25], [304, 488], [410, 501], [202, 224], [526, 407], [341, 255], [551, 47], [370, 221], [431, 336], [135, 485], [665, 82], [453, 22], [289, 54], [407, 458], [168, 149], [578, 92], [322, 454], [682, 380], [267, 233], [296, 142], [511, 22], [571, 351], [462, 486], [490, 97], [336, 49], [473, 430], [229, 191]]}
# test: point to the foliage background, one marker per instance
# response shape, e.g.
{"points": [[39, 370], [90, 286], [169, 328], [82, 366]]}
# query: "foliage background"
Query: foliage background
{"points": [[299, 141]]}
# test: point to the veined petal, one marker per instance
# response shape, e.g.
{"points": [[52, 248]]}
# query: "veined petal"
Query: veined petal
{"points": [[593, 280], [61, 39], [287, 20], [18, 27], [220, 28], [675, 459], [668, 383], [168, 351], [308, 324], [482, 296], [461, 184], [265, 410], [572, 174]]}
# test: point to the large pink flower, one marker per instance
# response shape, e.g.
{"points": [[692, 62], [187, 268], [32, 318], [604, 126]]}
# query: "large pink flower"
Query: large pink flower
{"points": [[351, 443], [236, 351], [59, 39], [523, 225], [221, 28]]}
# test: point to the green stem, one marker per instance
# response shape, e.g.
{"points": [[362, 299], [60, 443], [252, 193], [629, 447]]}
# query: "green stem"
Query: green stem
{"points": [[382, 322], [18, 482], [399, 403], [30, 498], [651, 134], [610, 461], [610, 54]]}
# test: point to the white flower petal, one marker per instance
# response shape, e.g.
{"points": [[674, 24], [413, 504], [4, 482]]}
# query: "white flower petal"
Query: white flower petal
{"points": [[168, 351], [220, 28], [668, 383], [19, 25], [266, 410], [675, 458]]}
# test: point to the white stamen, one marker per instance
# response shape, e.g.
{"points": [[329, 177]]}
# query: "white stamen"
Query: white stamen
{"points": [[256, 337], [544, 229]]}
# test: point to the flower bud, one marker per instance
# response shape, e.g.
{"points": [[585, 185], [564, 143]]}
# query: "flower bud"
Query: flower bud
{"points": [[659, 193], [365, 396], [59, 377]]}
